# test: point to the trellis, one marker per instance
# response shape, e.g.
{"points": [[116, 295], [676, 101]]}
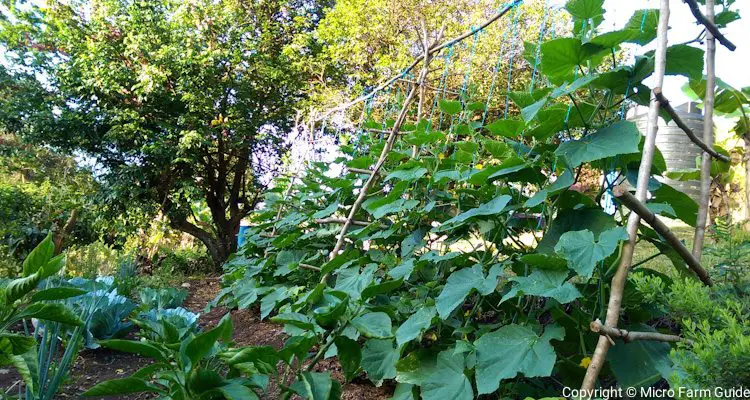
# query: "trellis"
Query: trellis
{"points": [[382, 100]]}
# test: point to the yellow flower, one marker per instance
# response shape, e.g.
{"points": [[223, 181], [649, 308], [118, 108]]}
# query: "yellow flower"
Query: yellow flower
{"points": [[585, 361], [441, 156], [479, 166]]}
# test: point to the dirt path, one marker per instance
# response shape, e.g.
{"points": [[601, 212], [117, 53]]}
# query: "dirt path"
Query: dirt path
{"points": [[250, 330]]}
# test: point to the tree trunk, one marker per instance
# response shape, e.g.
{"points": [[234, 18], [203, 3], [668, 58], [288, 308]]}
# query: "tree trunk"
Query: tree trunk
{"points": [[708, 136]]}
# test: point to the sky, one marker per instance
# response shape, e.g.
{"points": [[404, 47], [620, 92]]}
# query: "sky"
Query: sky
{"points": [[731, 67]]}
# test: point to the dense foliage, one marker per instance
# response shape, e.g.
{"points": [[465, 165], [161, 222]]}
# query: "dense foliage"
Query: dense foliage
{"points": [[177, 102], [444, 282]]}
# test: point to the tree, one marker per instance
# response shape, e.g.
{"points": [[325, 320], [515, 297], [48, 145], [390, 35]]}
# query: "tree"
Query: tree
{"points": [[176, 101]]}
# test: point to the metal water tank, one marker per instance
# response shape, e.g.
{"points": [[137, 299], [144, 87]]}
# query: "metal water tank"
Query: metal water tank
{"points": [[678, 150]]}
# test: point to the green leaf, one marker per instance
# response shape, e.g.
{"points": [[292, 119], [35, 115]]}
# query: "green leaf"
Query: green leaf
{"points": [[585, 9], [235, 391], [450, 107], [545, 283], [52, 267], [493, 207], [14, 344], [408, 175], [51, 312], [135, 347], [386, 206], [725, 17], [686, 209], [201, 344], [640, 363], [350, 356], [561, 57], [381, 288], [57, 293], [685, 60], [511, 350], [38, 257], [688, 174], [447, 380], [461, 283], [646, 25], [403, 270], [583, 253], [619, 138], [328, 211], [27, 366], [339, 261], [561, 183], [530, 112], [545, 261], [319, 386], [374, 325], [352, 282], [379, 359], [295, 319], [506, 127], [18, 288], [415, 325], [404, 391], [120, 386]]}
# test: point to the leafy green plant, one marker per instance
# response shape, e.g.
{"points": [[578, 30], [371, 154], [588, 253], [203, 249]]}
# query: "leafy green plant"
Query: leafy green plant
{"points": [[38, 364], [189, 367], [732, 250], [153, 327], [473, 267], [162, 298]]}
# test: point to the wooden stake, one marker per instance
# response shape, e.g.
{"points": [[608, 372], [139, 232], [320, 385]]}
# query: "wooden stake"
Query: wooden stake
{"points": [[708, 135], [708, 22], [644, 174], [629, 201], [344, 221], [628, 336], [689, 132]]}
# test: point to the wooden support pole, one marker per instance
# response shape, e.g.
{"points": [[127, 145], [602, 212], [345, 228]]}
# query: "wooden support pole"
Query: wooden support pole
{"points": [[681, 124], [709, 24], [359, 170], [628, 336], [644, 175], [341, 221], [310, 267], [708, 136], [628, 200]]}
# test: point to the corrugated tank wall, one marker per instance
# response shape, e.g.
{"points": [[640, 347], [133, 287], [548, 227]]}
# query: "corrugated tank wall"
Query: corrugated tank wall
{"points": [[678, 151]]}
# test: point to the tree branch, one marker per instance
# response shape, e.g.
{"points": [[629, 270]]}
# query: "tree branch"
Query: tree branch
{"points": [[681, 124], [713, 29], [628, 336], [629, 201]]}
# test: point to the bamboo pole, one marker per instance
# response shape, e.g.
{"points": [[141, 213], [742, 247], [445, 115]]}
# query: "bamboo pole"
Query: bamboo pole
{"points": [[689, 132], [644, 174], [629, 201], [628, 336], [708, 135]]}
